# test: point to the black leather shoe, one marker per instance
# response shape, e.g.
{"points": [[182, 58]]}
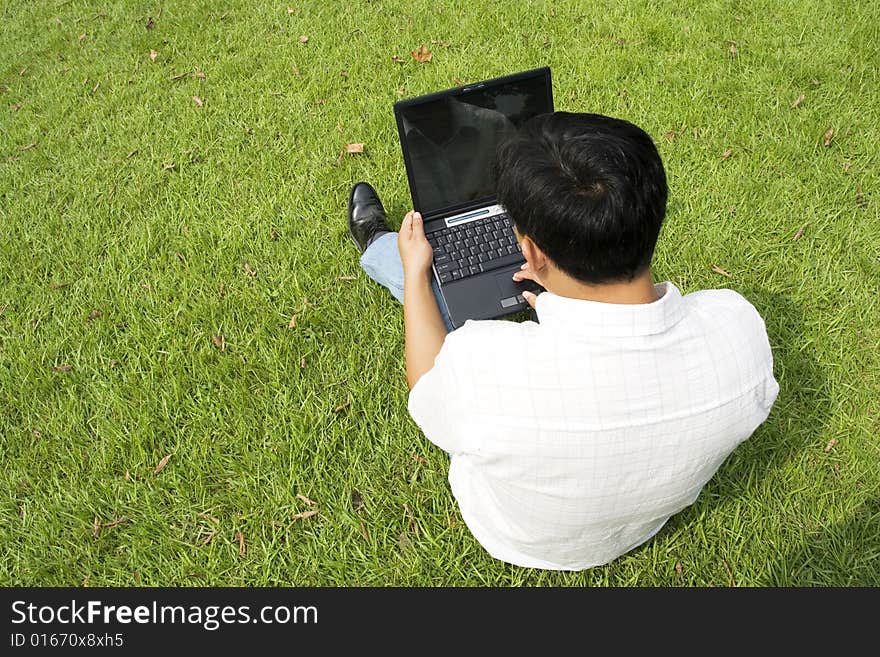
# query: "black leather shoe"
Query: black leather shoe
{"points": [[366, 216]]}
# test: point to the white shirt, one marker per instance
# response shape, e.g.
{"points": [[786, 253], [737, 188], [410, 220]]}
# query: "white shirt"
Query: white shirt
{"points": [[574, 440]]}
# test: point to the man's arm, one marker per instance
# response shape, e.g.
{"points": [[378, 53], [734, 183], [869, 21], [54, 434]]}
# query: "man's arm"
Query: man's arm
{"points": [[424, 330]]}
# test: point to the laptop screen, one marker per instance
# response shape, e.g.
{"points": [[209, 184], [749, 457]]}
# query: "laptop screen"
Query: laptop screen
{"points": [[449, 138]]}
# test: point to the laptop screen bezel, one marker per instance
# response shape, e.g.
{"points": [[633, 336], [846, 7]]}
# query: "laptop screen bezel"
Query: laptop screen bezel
{"points": [[401, 105]]}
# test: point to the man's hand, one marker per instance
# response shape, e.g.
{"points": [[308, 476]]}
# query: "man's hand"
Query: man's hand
{"points": [[415, 251], [525, 273]]}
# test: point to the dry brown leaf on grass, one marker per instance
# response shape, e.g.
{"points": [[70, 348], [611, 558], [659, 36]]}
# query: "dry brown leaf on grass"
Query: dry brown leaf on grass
{"points": [[726, 154], [830, 445], [198, 101], [418, 458], [95, 314], [342, 406], [303, 515], [82, 37], [113, 523], [161, 465], [345, 278], [678, 567], [357, 501], [718, 270], [242, 550], [829, 135], [670, 136], [413, 525], [731, 580], [28, 147], [291, 10], [396, 59], [58, 286], [98, 526], [199, 73], [302, 363], [153, 55], [733, 49], [304, 39], [305, 499], [210, 537], [150, 23], [422, 55], [797, 101], [364, 531], [350, 149], [16, 107], [219, 341], [62, 368], [799, 233], [250, 271], [292, 323]]}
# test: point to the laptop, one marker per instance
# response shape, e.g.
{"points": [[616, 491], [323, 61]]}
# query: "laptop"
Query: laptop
{"points": [[448, 140]]}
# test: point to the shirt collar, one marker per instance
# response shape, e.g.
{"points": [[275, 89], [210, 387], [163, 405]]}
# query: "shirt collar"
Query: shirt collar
{"points": [[612, 319]]}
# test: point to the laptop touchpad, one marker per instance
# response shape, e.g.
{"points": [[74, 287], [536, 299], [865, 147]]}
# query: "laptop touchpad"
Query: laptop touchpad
{"points": [[511, 290]]}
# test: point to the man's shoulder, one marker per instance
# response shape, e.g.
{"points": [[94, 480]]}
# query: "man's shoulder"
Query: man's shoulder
{"points": [[486, 335], [719, 300], [716, 296], [728, 310], [475, 329]]}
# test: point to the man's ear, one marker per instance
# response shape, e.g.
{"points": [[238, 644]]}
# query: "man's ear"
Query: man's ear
{"points": [[533, 254]]}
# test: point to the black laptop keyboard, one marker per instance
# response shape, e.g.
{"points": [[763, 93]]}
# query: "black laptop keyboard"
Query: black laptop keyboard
{"points": [[472, 248]]}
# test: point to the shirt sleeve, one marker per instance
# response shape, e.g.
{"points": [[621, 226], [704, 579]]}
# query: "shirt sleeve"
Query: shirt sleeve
{"points": [[435, 403]]}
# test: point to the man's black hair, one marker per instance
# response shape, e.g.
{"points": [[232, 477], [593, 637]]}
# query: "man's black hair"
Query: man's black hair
{"points": [[589, 190]]}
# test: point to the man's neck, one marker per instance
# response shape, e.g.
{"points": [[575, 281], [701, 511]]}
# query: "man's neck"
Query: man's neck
{"points": [[639, 290]]}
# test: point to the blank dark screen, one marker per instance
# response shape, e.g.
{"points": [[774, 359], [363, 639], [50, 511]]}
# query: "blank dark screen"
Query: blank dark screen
{"points": [[452, 140]]}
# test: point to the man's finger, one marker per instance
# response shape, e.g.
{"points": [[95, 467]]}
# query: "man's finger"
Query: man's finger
{"points": [[524, 275], [417, 223], [530, 298], [407, 221]]}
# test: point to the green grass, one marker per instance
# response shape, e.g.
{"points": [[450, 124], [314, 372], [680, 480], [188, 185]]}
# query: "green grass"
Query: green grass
{"points": [[118, 194]]}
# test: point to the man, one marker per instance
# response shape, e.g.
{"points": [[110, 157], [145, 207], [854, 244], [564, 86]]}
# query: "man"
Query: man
{"points": [[573, 440]]}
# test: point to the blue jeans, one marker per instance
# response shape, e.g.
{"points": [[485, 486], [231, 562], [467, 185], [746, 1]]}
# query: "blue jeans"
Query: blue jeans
{"points": [[382, 263]]}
